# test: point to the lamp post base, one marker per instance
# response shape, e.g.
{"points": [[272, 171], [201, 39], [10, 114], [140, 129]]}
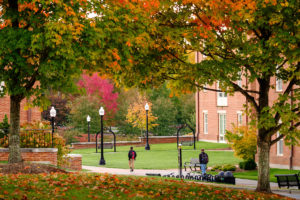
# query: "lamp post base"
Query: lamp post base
{"points": [[147, 147], [102, 161]]}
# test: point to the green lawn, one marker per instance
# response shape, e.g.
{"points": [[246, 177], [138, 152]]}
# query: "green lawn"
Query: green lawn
{"points": [[161, 156], [253, 174]]}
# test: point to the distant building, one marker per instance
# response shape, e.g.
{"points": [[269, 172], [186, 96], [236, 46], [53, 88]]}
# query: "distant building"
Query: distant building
{"points": [[26, 115], [217, 111]]}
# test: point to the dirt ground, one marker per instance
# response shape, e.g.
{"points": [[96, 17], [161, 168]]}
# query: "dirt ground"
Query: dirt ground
{"points": [[28, 168]]}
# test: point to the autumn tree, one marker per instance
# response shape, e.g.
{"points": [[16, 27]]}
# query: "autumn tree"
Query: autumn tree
{"points": [[256, 39], [47, 44], [103, 89], [137, 114]]}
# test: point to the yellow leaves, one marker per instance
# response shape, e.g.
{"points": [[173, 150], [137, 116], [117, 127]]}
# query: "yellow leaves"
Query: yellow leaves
{"points": [[137, 115]]}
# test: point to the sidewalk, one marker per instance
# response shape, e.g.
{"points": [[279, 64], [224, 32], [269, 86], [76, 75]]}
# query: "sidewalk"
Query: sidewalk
{"points": [[240, 183]]}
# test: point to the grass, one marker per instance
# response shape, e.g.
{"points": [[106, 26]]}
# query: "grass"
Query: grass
{"points": [[104, 186], [253, 174], [161, 156]]}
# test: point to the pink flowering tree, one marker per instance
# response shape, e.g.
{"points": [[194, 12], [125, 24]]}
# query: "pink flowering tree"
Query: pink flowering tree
{"points": [[103, 89]]}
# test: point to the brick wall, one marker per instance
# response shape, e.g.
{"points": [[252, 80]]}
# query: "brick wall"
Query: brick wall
{"points": [[206, 101], [32, 114], [142, 142], [43, 155], [73, 162]]}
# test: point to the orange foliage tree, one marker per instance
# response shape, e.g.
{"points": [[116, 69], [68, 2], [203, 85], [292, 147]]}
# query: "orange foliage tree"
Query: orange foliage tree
{"points": [[137, 114]]}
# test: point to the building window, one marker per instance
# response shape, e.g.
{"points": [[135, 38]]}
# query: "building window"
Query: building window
{"points": [[222, 125], [239, 118], [239, 81], [278, 83], [279, 146], [205, 122], [221, 97], [204, 86]]}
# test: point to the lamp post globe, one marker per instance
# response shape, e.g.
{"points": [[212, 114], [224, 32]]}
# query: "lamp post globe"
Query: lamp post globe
{"points": [[147, 147], [88, 119], [52, 115], [101, 113]]}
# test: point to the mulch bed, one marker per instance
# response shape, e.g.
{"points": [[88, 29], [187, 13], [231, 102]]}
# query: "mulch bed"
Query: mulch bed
{"points": [[28, 168]]}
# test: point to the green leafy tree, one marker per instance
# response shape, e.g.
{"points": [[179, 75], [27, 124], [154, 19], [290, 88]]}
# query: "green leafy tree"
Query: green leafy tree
{"points": [[81, 107], [258, 39]]}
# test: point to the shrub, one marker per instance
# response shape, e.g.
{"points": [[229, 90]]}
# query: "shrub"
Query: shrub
{"points": [[228, 167], [248, 165], [4, 127], [32, 136], [217, 167], [243, 141]]}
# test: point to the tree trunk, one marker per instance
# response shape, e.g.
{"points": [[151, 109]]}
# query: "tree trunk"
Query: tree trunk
{"points": [[14, 136], [263, 184]]}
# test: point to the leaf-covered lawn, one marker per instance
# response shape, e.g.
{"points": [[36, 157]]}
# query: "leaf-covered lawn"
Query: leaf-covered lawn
{"points": [[104, 186]]}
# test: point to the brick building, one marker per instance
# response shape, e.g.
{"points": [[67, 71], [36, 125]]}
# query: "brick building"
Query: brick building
{"points": [[217, 111], [26, 115]]}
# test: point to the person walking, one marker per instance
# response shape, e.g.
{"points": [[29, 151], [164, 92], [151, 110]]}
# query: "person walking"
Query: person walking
{"points": [[131, 156], [203, 158]]}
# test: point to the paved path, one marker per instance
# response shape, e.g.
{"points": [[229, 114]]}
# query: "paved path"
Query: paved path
{"points": [[240, 183]]}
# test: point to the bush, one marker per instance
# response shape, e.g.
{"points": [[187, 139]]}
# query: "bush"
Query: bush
{"points": [[228, 167], [243, 141], [36, 134], [217, 167], [248, 165], [4, 127]]}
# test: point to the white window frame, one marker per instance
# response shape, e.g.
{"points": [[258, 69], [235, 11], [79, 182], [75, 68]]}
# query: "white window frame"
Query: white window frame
{"points": [[239, 81], [221, 97], [205, 90], [239, 118], [278, 83], [222, 125], [279, 146], [205, 122]]}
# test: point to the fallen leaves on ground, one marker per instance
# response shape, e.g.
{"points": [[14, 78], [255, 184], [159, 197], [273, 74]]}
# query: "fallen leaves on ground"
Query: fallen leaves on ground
{"points": [[104, 186]]}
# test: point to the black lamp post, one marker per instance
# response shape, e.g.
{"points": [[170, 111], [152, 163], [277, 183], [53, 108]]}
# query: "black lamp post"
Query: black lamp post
{"points": [[88, 119], [52, 115], [180, 160], [101, 113], [147, 147]]}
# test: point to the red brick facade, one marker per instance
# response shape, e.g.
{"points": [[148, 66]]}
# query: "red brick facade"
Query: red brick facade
{"points": [[44, 155], [74, 162], [209, 120], [26, 115]]}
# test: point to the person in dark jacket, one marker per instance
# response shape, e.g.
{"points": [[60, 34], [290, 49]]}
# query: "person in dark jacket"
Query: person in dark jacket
{"points": [[203, 159], [131, 156]]}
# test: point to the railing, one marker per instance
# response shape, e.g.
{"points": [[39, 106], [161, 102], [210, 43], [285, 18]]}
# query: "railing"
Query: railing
{"points": [[31, 138]]}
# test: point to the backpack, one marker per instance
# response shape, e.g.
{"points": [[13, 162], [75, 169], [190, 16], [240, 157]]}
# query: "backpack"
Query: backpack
{"points": [[204, 158], [132, 155]]}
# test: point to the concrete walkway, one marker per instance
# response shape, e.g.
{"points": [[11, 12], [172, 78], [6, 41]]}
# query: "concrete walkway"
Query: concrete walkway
{"points": [[240, 183]]}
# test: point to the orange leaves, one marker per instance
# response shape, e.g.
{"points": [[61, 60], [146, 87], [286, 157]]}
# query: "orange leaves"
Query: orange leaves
{"points": [[115, 54], [30, 6], [100, 186]]}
